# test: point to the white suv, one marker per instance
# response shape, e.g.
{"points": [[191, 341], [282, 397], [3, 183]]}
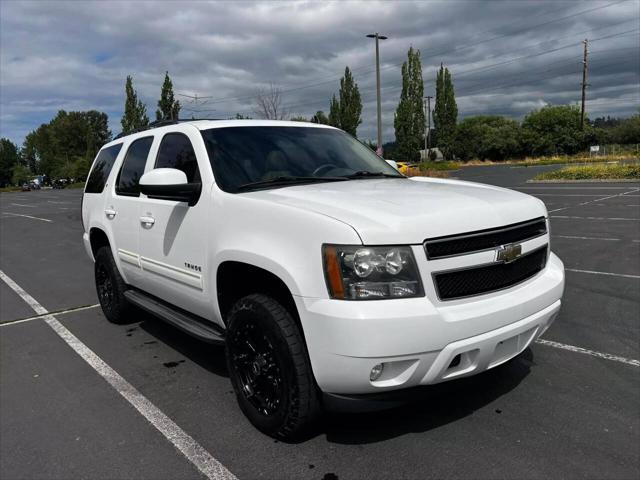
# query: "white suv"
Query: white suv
{"points": [[328, 276]]}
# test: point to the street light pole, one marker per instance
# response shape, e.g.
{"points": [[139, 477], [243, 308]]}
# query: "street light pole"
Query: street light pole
{"points": [[427, 133], [378, 37]]}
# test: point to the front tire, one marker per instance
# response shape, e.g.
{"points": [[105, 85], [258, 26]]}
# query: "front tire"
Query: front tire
{"points": [[110, 287], [269, 368]]}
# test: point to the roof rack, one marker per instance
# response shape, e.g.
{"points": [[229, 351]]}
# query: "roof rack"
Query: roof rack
{"points": [[161, 123]]}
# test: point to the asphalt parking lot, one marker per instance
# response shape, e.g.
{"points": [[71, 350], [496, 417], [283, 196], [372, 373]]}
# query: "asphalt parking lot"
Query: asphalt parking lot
{"points": [[569, 408]]}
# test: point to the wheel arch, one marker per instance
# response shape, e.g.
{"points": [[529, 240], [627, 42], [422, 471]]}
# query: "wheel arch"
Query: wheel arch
{"points": [[235, 279], [98, 238]]}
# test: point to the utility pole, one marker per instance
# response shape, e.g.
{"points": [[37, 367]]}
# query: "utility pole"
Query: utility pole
{"points": [[193, 100], [378, 37], [427, 133], [584, 82]]}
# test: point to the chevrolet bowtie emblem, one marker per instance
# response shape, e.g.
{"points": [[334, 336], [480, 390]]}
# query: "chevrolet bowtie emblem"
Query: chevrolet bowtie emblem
{"points": [[508, 253]]}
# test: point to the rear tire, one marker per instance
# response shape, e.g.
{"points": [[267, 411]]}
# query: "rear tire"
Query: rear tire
{"points": [[110, 287], [269, 368]]}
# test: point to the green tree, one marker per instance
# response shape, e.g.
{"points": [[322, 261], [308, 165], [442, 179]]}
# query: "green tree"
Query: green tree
{"points": [[627, 131], [344, 112], [350, 103], [135, 112], [36, 149], [487, 137], [409, 120], [54, 148], [299, 118], [334, 112], [20, 174], [445, 112], [168, 107], [320, 118], [555, 130], [98, 132], [9, 158]]}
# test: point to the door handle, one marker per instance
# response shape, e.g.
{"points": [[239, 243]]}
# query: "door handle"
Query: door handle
{"points": [[110, 213], [147, 222]]}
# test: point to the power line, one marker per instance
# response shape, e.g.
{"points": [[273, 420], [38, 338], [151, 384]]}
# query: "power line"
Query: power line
{"points": [[485, 68], [460, 47]]}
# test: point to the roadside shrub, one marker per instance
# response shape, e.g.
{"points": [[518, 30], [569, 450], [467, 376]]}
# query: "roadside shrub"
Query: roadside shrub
{"points": [[555, 130], [593, 172], [487, 138]]}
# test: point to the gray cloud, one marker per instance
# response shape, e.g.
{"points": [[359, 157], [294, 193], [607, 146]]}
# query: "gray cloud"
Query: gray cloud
{"points": [[506, 57]]}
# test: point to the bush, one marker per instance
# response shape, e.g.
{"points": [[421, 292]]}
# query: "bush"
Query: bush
{"points": [[555, 130], [593, 172], [487, 138]]}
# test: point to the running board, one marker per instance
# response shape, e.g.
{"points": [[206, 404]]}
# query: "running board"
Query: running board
{"points": [[188, 323]]}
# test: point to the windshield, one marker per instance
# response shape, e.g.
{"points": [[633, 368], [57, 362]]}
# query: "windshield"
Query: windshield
{"points": [[277, 156]]}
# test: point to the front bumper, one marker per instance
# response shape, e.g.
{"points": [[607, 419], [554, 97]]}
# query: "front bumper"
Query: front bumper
{"points": [[421, 341]]}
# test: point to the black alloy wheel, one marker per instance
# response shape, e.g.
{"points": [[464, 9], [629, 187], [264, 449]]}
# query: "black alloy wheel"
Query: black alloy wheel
{"points": [[269, 367], [258, 368], [110, 287]]}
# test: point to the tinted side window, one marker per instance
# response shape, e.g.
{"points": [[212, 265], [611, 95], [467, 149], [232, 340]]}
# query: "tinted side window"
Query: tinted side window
{"points": [[128, 182], [101, 169], [176, 151]]}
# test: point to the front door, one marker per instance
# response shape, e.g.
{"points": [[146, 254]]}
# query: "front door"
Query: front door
{"points": [[173, 235]]}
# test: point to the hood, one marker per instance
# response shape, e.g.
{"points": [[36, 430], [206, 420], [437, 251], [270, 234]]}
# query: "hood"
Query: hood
{"points": [[408, 211]]}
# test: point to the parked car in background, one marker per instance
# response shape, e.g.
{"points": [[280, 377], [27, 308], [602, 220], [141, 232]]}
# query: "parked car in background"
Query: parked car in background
{"points": [[25, 187]]}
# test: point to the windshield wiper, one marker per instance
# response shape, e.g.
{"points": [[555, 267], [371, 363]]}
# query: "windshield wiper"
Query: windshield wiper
{"points": [[286, 180], [366, 173]]}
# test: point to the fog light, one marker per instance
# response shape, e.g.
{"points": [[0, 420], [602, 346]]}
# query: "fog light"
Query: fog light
{"points": [[376, 371]]}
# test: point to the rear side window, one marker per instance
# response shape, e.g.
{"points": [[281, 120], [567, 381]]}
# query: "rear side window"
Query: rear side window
{"points": [[101, 169], [128, 182], [176, 151]]}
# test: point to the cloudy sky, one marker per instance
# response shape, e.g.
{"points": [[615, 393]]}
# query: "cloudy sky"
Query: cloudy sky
{"points": [[506, 56]]}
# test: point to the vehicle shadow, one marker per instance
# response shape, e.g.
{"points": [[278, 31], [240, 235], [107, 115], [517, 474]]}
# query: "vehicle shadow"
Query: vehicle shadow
{"points": [[430, 408], [208, 356]]}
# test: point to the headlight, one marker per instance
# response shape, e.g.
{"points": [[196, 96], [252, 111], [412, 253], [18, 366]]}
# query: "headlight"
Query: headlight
{"points": [[369, 273]]}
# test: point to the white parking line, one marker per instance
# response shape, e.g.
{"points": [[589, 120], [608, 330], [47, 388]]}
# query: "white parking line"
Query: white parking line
{"points": [[593, 353], [593, 272], [191, 449], [627, 194], [586, 238], [39, 317], [27, 216], [595, 218], [566, 195], [23, 205], [59, 203], [573, 188]]}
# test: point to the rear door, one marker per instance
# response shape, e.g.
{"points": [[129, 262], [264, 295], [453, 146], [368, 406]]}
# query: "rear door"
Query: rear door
{"points": [[123, 209], [173, 235]]}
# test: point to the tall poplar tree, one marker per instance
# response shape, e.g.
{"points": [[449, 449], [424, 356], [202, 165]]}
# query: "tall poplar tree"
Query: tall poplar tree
{"points": [[345, 111], [409, 120], [334, 112], [135, 112], [445, 112], [168, 108], [350, 103]]}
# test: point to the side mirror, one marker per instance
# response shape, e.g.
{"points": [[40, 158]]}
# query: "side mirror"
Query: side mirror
{"points": [[170, 184], [392, 163]]}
